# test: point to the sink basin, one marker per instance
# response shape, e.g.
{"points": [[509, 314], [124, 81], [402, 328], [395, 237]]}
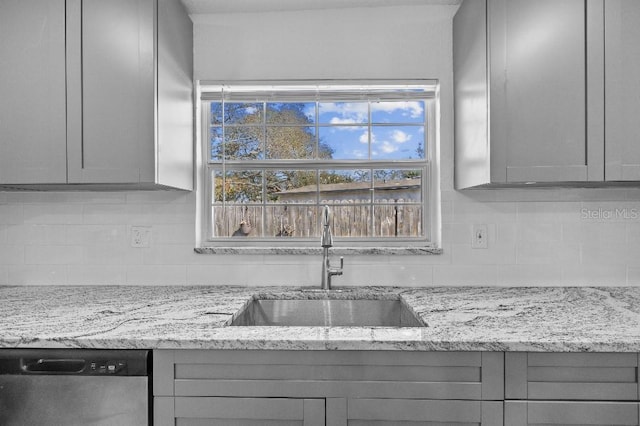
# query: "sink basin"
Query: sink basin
{"points": [[327, 313]]}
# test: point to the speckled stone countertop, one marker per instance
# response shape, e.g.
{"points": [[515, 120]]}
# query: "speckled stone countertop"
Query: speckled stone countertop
{"points": [[576, 319]]}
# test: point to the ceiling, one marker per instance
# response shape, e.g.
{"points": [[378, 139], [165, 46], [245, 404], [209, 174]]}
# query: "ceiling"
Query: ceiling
{"points": [[243, 6]]}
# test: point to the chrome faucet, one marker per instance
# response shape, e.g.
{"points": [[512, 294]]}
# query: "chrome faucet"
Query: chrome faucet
{"points": [[326, 242]]}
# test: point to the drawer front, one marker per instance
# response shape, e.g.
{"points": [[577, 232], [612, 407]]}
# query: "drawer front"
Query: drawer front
{"points": [[572, 376], [194, 411], [330, 374], [537, 413], [409, 412]]}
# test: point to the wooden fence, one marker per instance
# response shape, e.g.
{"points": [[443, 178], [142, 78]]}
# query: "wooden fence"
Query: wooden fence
{"points": [[350, 218]]}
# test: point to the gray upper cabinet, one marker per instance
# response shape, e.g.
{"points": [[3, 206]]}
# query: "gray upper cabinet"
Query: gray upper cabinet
{"points": [[117, 93], [622, 83], [529, 92], [32, 91]]}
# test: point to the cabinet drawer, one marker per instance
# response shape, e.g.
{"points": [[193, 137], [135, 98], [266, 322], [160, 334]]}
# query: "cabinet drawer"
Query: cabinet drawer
{"points": [[533, 413], [330, 374], [572, 376], [372, 412], [192, 411]]}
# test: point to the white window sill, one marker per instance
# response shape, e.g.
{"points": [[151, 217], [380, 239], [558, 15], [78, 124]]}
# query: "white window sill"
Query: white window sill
{"points": [[318, 250]]}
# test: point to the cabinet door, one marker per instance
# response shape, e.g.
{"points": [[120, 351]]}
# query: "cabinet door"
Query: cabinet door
{"points": [[622, 23], [111, 79], [365, 412], [192, 411], [525, 413], [571, 376], [538, 84], [32, 92]]}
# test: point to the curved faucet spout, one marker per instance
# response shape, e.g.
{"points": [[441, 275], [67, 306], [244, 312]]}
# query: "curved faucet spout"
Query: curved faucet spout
{"points": [[326, 240]]}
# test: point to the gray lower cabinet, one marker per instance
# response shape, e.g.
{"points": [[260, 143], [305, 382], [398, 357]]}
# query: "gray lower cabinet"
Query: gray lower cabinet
{"points": [[571, 389], [345, 388], [195, 411], [529, 413]]}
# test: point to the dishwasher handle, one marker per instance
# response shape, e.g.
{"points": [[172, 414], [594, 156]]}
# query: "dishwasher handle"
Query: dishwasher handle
{"points": [[47, 365]]}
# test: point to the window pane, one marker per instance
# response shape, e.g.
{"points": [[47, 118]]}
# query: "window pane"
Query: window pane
{"points": [[216, 113], [343, 112], [340, 186], [237, 220], [291, 143], [397, 142], [302, 113], [345, 143], [292, 221], [244, 143], [398, 220], [392, 185], [351, 220], [243, 113], [291, 186], [243, 186], [397, 112], [215, 143]]}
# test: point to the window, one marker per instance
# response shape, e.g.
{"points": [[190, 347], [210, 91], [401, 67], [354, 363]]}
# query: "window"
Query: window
{"points": [[276, 154]]}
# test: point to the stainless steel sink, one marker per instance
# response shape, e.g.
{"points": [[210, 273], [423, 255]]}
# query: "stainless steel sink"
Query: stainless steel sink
{"points": [[327, 313]]}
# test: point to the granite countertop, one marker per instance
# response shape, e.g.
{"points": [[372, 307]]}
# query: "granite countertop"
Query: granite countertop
{"points": [[576, 319]]}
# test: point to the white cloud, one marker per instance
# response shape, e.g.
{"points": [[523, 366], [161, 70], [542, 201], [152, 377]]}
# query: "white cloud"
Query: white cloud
{"points": [[338, 120], [356, 111], [388, 147], [412, 109], [398, 136]]}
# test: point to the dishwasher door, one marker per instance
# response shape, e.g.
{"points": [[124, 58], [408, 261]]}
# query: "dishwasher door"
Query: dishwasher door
{"points": [[74, 387]]}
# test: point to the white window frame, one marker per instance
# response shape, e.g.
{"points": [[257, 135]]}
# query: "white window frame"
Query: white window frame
{"points": [[430, 182]]}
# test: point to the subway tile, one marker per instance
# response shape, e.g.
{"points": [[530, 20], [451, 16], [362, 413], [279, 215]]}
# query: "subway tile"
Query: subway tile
{"points": [[70, 197], [548, 212], [167, 213], [109, 214], [594, 275], [595, 232], [156, 275], [605, 253], [111, 254], [539, 232], [547, 253], [178, 233], [11, 254], [11, 214], [4, 275], [96, 234], [36, 234], [161, 197], [37, 275], [50, 254], [464, 254], [474, 275], [218, 274], [44, 214], [96, 275], [172, 254], [529, 275]]}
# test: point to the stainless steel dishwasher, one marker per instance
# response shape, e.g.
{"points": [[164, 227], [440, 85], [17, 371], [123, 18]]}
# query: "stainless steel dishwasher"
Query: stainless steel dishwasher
{"points": [[75, 387]]}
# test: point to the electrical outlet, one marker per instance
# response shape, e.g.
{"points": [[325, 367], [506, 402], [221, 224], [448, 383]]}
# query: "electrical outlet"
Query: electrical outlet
{"points": [[480, 237], [140, 236]]}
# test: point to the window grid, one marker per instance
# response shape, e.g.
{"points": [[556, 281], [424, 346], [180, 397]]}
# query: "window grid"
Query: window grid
{"points": [[265, 165]]}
